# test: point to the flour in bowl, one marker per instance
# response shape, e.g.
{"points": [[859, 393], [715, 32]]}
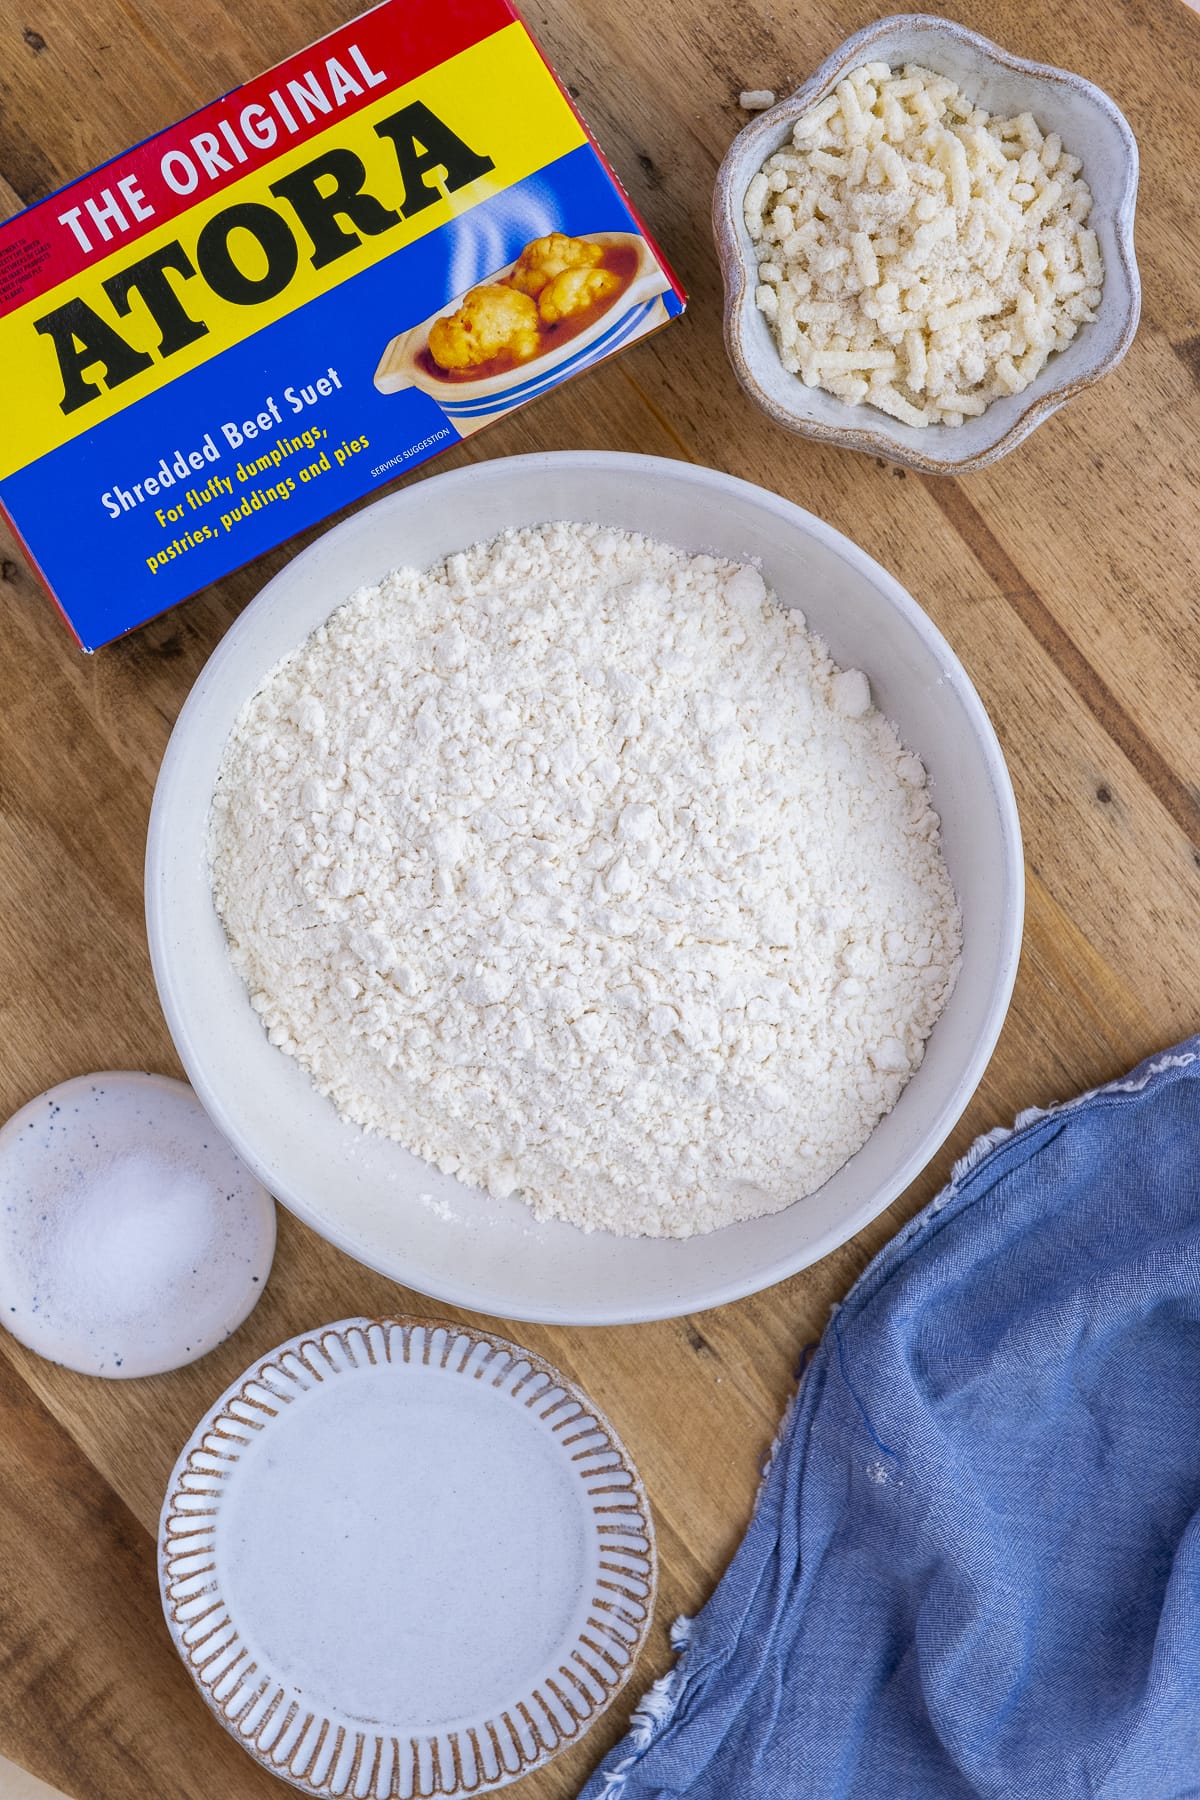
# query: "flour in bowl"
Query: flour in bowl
{"points": [[577, 867]]}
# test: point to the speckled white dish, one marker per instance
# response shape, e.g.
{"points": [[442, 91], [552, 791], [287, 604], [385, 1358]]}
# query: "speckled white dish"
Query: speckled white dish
{"points": [[371, 1196], [132, 1238], [1091, 125], [401, 1557]]}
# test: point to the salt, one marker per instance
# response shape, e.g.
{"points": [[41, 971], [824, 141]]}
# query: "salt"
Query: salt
{"points": [[132, 1238]]}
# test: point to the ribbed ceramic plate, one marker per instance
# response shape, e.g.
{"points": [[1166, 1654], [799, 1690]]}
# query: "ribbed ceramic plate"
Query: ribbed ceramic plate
{"points": [[401, 1559]]}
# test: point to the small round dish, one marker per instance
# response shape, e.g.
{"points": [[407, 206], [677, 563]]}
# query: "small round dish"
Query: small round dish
{"points": [[132, 1238], [401, 1557], [470, 404], [398, 1213], [1091, 126]]}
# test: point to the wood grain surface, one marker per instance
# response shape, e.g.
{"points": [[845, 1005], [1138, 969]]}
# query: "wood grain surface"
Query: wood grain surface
{"points": [[1066, 577]]}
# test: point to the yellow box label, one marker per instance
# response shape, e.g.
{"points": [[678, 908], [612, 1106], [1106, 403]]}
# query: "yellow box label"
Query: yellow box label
{"points": [[294, 230]]}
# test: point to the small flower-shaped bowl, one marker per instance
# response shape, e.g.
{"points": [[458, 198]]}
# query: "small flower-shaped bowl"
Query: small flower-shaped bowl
{"points": [[1091, 126]]}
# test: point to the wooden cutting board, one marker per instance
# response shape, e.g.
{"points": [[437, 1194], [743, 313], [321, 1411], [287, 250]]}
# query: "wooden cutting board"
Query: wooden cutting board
{"points": [[1067, 577]]}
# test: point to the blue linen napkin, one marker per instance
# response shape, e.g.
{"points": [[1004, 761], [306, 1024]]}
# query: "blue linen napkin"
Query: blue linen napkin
{"points": [[974, 1568]]}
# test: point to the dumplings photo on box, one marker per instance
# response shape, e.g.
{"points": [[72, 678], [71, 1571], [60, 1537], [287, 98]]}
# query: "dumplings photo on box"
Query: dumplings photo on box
{"points": [[563, 302]]}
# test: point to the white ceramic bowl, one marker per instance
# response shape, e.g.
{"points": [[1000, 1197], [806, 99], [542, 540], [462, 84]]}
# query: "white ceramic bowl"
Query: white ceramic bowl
{"points": [[471, 404], [1091, 126], [364, 1192]]}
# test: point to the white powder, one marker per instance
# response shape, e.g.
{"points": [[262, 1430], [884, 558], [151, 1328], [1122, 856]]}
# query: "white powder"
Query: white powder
{"points": [[577, 867], [132, 1239]]}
